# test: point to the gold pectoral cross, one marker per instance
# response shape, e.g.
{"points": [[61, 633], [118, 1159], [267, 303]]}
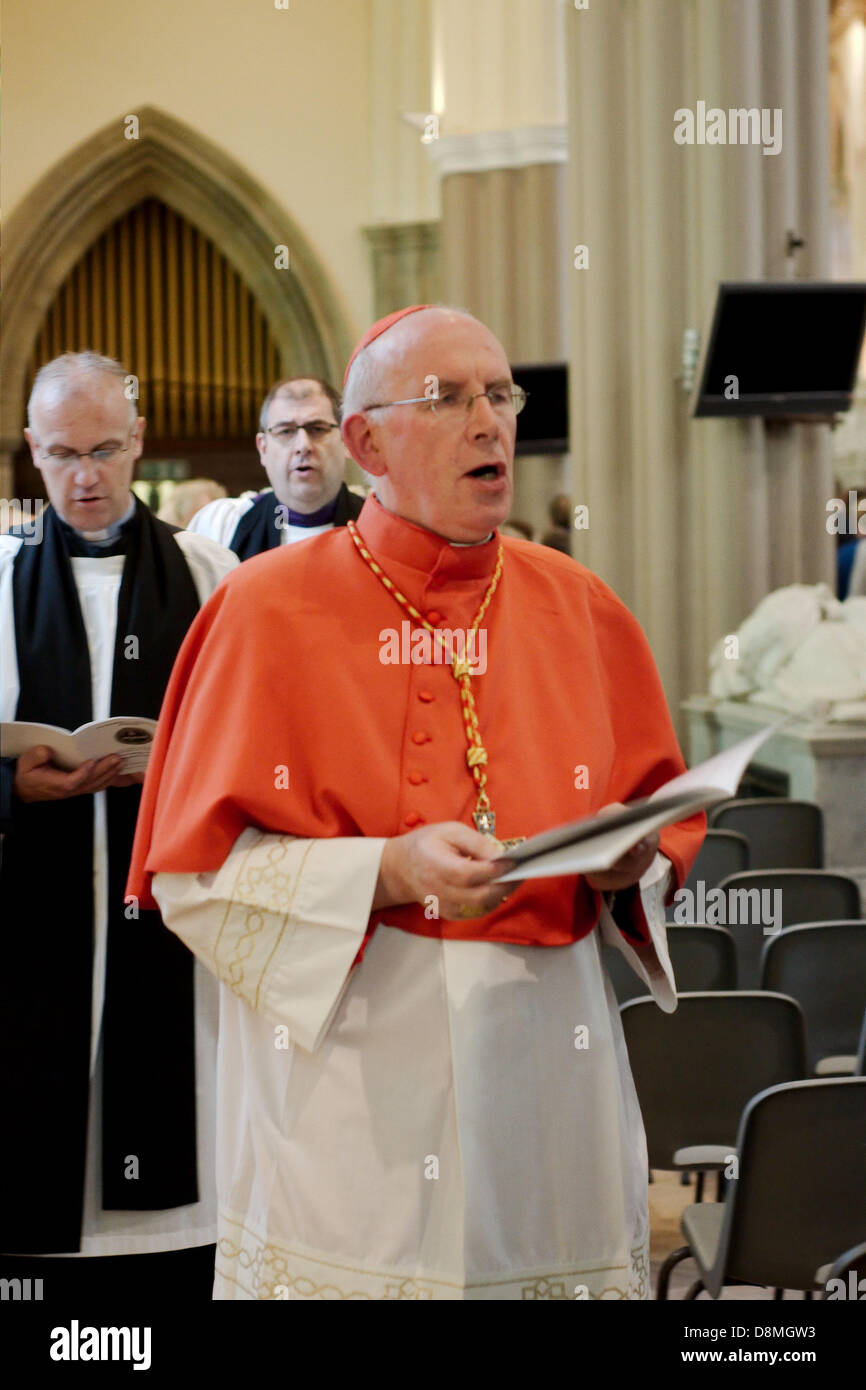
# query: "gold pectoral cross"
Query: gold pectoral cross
{"points": [[485, 821]]}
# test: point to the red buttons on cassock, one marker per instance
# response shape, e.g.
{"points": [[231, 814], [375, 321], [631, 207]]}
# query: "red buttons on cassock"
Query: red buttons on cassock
{"points": [[416, 778], [426, 695], [420, 738], [434, 616], [413, 819]]}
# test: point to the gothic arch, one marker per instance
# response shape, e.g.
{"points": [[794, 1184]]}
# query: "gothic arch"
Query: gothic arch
{"points": [[105, 176]]}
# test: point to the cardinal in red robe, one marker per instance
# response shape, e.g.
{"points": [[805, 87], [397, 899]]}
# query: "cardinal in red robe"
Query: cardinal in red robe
{"points": [[424, 1090]]}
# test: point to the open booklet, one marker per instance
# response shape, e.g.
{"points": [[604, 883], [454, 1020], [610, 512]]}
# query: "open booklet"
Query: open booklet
{"points": [[594, 844], [130, 738]]}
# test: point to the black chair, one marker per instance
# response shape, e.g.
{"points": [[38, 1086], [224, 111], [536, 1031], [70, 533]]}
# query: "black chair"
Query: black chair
{"points": [[823, 966], [756, 905], [695, 1069], [853, 1262], [703, 958], [781, 834], [723, 853], [799, 1196]]}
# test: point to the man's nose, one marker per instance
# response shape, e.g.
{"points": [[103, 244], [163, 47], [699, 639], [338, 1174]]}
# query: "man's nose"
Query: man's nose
{"points": [[303, 443], [483, 420], [86, 472]]}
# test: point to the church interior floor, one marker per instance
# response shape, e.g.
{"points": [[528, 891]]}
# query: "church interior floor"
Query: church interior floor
{"points": [[667, 1200]]}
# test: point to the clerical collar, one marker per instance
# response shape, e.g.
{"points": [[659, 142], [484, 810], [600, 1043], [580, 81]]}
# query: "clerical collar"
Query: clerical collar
{"points": [[323, 517], [108, 535], [97, 545], [391, 537]]}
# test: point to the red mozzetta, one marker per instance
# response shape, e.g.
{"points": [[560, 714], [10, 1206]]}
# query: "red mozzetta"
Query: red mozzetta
{"points": [[287, 668]]}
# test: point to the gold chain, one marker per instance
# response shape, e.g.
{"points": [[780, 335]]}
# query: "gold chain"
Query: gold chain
{"points": [[476, 753]]}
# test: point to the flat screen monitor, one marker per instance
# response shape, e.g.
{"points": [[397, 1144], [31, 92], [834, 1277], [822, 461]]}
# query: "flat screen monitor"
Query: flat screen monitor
{"points": [[542, 426], [781, 348]]}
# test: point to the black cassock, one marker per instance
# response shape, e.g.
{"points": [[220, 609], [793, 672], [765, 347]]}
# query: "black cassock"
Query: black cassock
{"points": [[47, 903]]}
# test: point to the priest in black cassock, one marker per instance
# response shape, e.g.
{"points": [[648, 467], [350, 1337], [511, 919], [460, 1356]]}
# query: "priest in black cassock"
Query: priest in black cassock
{"points": [[107, 1026], [302, 452]]}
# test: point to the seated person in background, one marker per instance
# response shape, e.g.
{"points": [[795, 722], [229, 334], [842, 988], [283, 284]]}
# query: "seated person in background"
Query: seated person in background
{"points": [[302, 453], [520, 530], [187, 498], [559, 535]]}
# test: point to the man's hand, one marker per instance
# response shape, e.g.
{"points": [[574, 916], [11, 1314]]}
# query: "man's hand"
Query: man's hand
{"points": [[128, 779], [37, 778], [449, 862], [627, 870]]}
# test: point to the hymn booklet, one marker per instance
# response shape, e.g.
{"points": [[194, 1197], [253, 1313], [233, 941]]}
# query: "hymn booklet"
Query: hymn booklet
{"points": [[131, 739], [594, 844]]}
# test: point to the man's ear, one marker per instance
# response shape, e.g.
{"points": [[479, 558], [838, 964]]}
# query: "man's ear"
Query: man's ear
{"points": [[32, 446], [261, 444], [359, 438], [138, 437]]}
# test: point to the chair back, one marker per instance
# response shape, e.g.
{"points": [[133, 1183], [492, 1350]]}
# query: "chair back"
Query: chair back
{"points": [[853, 1262], [823, 966], [722, 853], [756, 905], [800, 1196], [781, 834], [703, 958], [695, 1069]]}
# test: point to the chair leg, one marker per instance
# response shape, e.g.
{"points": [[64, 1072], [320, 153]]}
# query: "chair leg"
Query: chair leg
{"points": [[778, 1295], [696, 1288], [685, 1179], [667, 1269], [807, 1296], [721, 1185], [699, 1189]]}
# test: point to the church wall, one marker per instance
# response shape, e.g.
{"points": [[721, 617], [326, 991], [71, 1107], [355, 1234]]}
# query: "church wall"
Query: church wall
{"points": [[282, 91]]}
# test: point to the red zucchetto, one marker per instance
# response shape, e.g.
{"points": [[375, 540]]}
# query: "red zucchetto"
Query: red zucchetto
{"points": [[381, 327]]}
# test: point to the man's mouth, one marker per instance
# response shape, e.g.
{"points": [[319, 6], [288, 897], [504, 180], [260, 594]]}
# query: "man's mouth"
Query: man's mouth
{"points": [[487, 472]]}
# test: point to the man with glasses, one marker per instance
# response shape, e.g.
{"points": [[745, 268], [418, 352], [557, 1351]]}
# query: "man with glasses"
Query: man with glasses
{"points": [[302, 453], [107, 1025], [424, 1088]]}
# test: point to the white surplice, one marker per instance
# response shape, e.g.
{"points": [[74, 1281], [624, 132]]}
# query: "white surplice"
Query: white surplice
{"points": [[219, 520], [450, 1120], [98, 582]]}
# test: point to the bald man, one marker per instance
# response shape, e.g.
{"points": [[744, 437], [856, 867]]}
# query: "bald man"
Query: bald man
{"points": [[107, 1026], [424, 1090], [302, 453]]}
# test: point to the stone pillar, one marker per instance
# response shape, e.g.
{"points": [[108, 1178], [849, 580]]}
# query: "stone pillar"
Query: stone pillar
{"points": [[500, 77], [498, 64], [692, 522], [404, 194], [405, 265]]}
